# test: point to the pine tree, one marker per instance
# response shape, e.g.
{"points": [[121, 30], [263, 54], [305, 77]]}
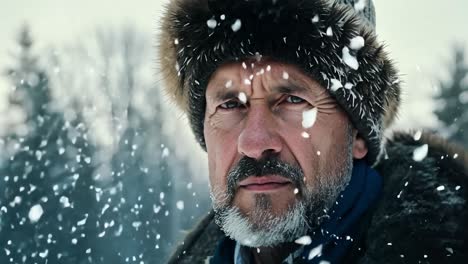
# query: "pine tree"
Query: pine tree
{"points": [[141, 202], [145, 195], [47, 195], [453, 100]]}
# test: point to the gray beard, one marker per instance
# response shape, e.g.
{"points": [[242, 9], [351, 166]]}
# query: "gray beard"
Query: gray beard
{"points": [[261, 228]]}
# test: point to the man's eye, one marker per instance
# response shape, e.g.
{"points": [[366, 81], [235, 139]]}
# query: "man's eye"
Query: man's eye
{"points": [[231, 105], [294, 99]]}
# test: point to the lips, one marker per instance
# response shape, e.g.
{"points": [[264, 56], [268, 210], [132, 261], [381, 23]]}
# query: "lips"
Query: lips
{"points": [[264, 183]]}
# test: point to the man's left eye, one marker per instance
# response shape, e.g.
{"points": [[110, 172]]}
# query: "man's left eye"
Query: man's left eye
{"points": [[230, 105], [294, 99]]}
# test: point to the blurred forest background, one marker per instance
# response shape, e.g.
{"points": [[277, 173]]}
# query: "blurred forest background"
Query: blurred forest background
{"points": [[88, 172], [97, 167]]}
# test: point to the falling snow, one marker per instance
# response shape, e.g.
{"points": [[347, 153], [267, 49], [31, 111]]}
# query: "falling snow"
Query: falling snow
{"points": [[420, 153], [243, 97], [44, 254], [357, 43], [211, 23], [348, 86], [61, 151], [165, 153], [83, 221], [127, 172], [315, 252], [228, 84], [417, 135], [89, 169], [35, 213], [349, 59], [237, 25], [180, 205], [309, 117], [65, 201], [315, 19], [336, 84], [305, 240]]}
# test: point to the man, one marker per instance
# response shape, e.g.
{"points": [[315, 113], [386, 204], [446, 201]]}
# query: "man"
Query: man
{"points": [[290, 99]]}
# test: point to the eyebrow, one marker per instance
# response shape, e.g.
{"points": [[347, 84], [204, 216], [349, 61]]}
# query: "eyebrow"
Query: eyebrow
{"points": [[289, 88], [224, 95]]}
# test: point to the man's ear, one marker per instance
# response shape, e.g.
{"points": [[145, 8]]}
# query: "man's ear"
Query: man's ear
{"points": [[359, 146]]}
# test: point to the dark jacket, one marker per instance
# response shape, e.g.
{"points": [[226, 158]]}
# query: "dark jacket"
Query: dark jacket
{"points": [[416, 220]]}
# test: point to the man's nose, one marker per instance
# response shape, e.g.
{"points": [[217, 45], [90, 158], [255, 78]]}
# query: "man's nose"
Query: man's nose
{"points": [[259, 136]]}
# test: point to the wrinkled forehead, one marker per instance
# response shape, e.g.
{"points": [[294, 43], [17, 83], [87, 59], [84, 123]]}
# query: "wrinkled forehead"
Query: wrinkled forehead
{"points": [[239, 75]]}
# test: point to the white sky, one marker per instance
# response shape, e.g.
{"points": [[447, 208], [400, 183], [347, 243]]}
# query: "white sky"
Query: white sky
{"points": [[419, 35]]}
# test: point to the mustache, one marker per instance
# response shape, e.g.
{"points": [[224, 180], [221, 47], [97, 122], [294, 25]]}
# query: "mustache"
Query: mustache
{"points": [[247, 167]]}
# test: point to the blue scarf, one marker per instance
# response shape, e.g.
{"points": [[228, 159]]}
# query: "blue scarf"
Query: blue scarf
{"points": [[337, 234]]}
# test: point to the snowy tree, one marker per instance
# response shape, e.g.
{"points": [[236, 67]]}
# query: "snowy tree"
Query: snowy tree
{"points": [[145, 200], [47, 192], [453, 100], [139, 173], [90, 172]]}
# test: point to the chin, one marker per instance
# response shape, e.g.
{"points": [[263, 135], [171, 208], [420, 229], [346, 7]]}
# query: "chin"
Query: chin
{"points": [[255, 204], [263, 226]]}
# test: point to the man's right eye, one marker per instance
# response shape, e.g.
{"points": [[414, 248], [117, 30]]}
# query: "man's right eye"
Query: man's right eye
{"points": [[231, 105]]}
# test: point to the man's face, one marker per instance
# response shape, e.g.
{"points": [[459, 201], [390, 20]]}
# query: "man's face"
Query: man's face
{"points": [[276, 142]]}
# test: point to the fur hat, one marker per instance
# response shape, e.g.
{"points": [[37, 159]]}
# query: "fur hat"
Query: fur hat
{"points": [[334, 43]]}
